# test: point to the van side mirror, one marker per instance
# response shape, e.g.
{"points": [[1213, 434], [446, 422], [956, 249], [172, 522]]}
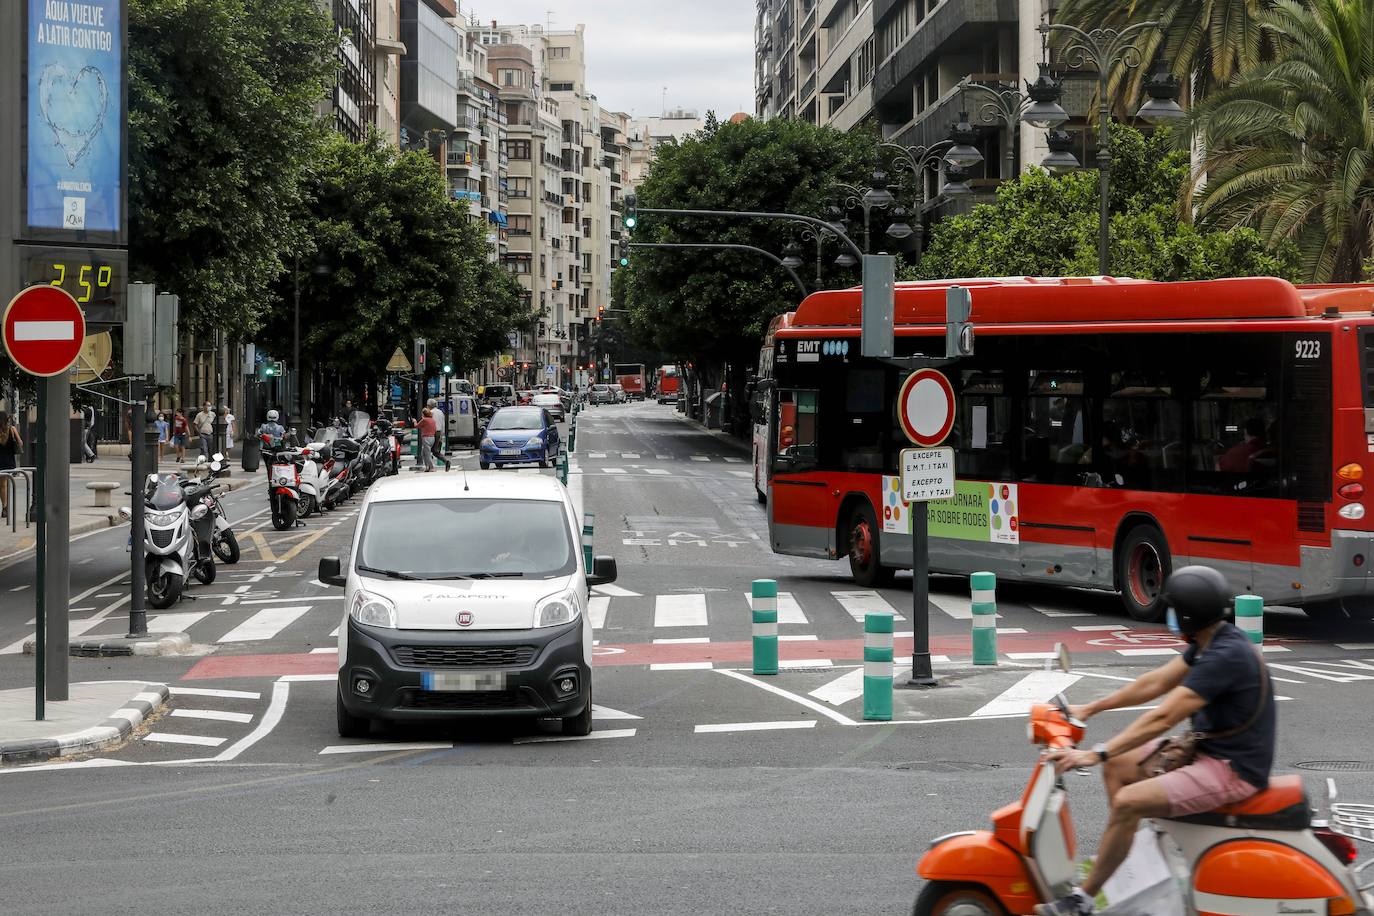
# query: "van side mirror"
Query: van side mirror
{"points": [[603, 571], [331, 572]]}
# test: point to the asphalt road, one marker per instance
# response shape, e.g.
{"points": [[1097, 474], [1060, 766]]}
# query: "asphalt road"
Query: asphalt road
{"points": [[702, 790]]}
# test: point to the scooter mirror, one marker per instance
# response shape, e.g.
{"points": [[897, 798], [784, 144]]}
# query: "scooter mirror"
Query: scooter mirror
{"points": [[125, 513], [1062, 652]]}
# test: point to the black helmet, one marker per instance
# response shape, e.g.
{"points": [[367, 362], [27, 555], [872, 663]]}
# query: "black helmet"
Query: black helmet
{"points": [[1199, 596]]}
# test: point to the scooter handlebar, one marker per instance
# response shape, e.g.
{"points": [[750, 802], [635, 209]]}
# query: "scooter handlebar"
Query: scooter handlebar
{"points": [[1052, 727]]}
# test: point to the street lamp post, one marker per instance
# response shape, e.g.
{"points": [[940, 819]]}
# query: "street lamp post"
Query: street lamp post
{"points": [[917, 160], [1107, 50]]}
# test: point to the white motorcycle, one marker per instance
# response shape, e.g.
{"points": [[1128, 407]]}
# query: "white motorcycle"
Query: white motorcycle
{"points": [[313, 480], [169, 542]]}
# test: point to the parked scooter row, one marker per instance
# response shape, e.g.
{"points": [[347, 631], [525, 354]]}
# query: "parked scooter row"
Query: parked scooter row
{"points": [[185, 529], [341, 459]]}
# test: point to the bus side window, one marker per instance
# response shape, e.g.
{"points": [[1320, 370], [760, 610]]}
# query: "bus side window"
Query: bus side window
{"points": [[1235, 444], [796, 445], [1141, 432], [1053, 447], [982, 428]]}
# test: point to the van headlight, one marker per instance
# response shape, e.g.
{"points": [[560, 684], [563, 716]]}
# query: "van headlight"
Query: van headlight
{"points": [[373, 610], [556, 610]]}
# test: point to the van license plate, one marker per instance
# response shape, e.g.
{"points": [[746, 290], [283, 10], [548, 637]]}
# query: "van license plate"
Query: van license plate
{"points": [[453, 680]]}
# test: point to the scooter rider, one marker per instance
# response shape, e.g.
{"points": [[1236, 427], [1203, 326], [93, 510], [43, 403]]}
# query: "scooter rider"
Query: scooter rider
{"points": [[272, 429], [1218, 682]]}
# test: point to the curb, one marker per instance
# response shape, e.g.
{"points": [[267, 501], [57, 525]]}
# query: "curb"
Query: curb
{"points": [[725, 438], [113, 730], [166, 644]]}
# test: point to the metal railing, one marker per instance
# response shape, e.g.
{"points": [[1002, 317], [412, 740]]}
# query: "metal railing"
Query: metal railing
{"points": [[8, 479]]}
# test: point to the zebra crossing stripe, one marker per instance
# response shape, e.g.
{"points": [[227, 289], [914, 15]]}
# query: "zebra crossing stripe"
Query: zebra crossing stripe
{"points": [[860, 603], [265, 624], [597, 606], [789, 611], [680, 610]]}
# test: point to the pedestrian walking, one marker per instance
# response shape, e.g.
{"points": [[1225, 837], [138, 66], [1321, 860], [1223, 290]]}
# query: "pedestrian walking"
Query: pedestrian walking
{"points": [[440, 429], [229, 420], [204, 423], [10, 447], [427, 431], [181, 429], [164, 433], [88, 438]]}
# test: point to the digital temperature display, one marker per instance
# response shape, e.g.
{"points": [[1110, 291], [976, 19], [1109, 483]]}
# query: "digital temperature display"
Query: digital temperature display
{"points": [[96, 278]]}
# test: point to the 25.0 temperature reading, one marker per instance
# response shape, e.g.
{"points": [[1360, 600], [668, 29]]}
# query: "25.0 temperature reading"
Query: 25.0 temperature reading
{"points": [[89, 278], [1309, 349]]}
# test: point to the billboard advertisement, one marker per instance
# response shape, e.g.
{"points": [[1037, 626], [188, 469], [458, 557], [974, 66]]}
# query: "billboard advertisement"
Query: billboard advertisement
{"points": [[75, 152]]}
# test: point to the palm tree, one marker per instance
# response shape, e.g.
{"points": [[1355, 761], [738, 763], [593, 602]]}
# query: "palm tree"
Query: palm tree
{"points": [[1290, 147], [1212, 40]]}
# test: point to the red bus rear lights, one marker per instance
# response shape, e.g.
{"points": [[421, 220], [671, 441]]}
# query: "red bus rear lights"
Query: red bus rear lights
{"points": [[1351, 490], [1352, 511], [1350, 471]]}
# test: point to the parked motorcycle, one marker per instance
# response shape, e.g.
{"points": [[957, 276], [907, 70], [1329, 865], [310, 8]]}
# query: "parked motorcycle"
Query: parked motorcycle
{"points": [[223, 542], [173, 547], [1264, 854]]}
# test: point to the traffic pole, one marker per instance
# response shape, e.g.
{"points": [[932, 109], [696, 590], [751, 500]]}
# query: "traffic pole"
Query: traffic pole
{"points": [[922, 674], [764, 595], [57, 589], [138, 472], [878, 666], [588, 519], [1250, 617], [983, 588], [40, 598]]}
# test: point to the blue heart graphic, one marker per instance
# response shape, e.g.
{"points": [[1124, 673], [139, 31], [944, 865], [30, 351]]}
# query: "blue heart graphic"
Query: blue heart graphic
{"points": [[73, 106]]}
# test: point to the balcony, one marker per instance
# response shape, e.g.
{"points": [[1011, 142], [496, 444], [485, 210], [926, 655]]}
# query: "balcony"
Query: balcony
{"points": [[808, 24], [808, 87]]}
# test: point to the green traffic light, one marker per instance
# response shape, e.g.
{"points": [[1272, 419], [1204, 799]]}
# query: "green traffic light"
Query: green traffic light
{"points": [[631, 222], [624, 262]]}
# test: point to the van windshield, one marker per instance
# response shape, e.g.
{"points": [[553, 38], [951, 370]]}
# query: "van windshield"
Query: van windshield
{"points": [[466, 538]]}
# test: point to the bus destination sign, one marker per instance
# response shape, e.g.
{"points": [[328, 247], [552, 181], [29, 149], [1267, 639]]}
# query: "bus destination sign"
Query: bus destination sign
{"points": [[927, 474]]}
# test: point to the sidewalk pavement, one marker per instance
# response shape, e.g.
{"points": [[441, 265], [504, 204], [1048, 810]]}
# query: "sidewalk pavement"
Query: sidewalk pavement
{"points": [[97, 714], [85, 515]]}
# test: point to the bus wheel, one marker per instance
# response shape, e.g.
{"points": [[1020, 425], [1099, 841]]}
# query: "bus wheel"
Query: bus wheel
{"points": [[1142, 565], [864, 550]]}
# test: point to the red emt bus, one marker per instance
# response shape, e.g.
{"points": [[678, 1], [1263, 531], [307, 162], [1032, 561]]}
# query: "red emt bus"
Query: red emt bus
{"points": [[761, 406], [631, 377], [669, 385], [1107, 430]]}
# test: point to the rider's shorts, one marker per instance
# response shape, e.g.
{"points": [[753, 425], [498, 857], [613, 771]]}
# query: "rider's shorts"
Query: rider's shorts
{"points": [[1204, 784]]}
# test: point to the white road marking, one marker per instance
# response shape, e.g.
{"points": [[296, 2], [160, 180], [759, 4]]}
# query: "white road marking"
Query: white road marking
{"points": [[664, 457], [199, 740], [613, 471], [778, 691], [842, 689], [788, 609], [615, 591], [265, 624], [805, 663], [658, 472], [680, 666], [1031, 656], [596, 454], [960, 607], [733, 460], [680, 611], [242, 718], [384, 748], [682, 641], [213, 692], [860, 603], [546, 739], [276, 708], [1010, 631], [700, 458], [1132, 653], [335, 631], [798, 637], [75, 628], [1100, 627], [742, 474], [753, 726], [597, 606], [1035, 687], [628, 456], [297, 598], [175, 623], [1051, 613], [1275, 649], [605, 712], [1355, 646], [325, 650], [1345, 676]]}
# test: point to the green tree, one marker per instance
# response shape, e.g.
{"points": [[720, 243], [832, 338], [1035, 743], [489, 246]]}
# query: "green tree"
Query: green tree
{"points": [[713, 307], [1213, 40], [222, 122], [1045, 225], [1290, 147], [388, 257]]}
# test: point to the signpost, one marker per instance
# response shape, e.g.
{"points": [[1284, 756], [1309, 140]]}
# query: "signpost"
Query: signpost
{"points": [[43, 331], [925, 411]]}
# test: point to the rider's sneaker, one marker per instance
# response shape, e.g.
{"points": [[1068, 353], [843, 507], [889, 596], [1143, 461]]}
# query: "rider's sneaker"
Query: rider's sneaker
{"points": [[1077, 903]]}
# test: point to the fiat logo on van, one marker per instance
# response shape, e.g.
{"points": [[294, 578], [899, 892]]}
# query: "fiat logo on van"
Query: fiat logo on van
{"points": [[465, 618]]}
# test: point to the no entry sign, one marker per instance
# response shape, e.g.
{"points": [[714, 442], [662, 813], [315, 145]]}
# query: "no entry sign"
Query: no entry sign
{"points": [[44, 329], [925, 407]]}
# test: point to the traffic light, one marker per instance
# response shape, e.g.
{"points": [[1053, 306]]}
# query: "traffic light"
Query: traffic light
{"points": [[624, 252], [448, 361], [600, 312], [421, 352], [631, 211], [273, 368], [958, 328]]}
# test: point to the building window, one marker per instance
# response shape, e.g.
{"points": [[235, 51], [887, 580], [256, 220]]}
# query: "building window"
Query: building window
{"points": [[519, 187], [518, 149], [560, 87], [519, 225], [559, 53]]}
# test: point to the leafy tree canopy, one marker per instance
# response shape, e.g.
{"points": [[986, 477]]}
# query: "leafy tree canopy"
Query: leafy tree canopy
{"points": [[222, 121], [715, 306], [1045, 225], [388, 257]]}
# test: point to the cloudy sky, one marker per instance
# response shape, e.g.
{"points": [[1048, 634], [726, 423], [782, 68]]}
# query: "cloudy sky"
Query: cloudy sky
{"points": [[701, 50]]}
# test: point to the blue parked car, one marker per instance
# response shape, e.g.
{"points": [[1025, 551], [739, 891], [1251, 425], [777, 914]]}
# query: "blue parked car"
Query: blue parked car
{"points": [[519, 435]]}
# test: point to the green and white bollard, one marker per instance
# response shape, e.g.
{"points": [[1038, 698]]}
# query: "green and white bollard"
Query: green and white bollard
{"points": [[1250, 617], [563, 469], [878, 666], [983, 587], [765, 602], [587, 520], [572, 435]]}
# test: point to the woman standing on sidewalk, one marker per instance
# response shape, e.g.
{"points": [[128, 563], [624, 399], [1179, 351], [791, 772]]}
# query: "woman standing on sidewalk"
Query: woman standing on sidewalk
{"points": [[163, 435], [10, 446], [428, 430]]}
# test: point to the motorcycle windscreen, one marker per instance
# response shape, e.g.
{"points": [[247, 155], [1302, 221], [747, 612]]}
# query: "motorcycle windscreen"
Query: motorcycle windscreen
{"points": [[164, 493], [1042, 830], [358, 425]]}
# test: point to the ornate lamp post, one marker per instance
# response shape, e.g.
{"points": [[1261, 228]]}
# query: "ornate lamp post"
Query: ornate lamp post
{"points": [[917, 160]]}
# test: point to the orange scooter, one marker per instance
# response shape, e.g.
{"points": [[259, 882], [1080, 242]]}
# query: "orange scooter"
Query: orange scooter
{"points": [[1263, 856]]}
